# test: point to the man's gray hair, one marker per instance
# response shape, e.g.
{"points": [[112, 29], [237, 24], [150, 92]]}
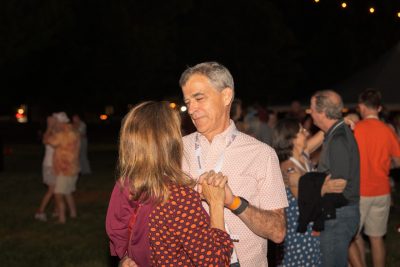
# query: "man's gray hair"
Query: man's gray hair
{"points": [[329, 102], [218, 74]]}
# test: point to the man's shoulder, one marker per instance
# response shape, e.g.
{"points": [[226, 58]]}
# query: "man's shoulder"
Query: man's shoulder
{"points": [[367, 125], [245, 140]]}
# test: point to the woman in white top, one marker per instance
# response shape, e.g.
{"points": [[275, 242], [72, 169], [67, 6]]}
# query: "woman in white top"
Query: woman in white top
{"points": [[47, 171]]}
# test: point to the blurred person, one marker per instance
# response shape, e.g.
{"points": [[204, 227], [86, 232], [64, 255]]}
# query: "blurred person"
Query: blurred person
{"points": [[272, 118], [293, 147], [296, 111], [49, 177], [258, 128], [396, 124], [236, 114], [378, 145], [339, 158], [155, 217], [251, 166], [81, 127], [66, 143]]}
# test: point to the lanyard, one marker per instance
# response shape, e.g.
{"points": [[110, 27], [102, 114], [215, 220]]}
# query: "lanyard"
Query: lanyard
{"points": [[217, 168], [220, 161]]}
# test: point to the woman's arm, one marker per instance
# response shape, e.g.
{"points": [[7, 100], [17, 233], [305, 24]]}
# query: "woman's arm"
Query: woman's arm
{"points": [[314, 142], [215, 197]]}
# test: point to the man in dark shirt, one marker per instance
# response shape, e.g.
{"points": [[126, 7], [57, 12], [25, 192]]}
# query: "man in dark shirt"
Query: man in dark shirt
{"points": [[340, 158]]}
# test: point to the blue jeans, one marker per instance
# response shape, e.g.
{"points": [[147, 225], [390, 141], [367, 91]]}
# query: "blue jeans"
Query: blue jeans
{"points": [[337, 235]]}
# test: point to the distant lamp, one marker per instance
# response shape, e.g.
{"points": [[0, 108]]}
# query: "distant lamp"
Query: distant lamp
{"points": [[398, 14], [183, 108], [316, 1], [371, 10], [172, 105], [344, 5], [21, 114], [103, 117]]}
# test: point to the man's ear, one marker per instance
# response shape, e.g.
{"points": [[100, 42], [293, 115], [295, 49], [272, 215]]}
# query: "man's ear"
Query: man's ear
{"points": [[227, 95]]}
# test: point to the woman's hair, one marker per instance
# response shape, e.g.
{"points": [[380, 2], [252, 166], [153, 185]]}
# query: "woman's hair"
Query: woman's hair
{"points": [[282, 138], [150, 151]]}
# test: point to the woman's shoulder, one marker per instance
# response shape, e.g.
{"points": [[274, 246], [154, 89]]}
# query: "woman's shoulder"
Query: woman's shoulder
{"points": [[182, 193]]}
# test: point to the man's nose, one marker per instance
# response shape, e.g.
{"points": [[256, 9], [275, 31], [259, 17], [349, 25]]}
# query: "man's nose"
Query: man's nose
{"points": [[191, 107]]}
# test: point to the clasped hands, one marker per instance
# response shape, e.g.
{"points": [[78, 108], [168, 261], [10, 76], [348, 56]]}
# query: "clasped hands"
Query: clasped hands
{"points": [[214, 188]]}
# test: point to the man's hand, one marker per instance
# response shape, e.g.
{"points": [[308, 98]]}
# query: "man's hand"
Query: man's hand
{"points": [[349, 122]]}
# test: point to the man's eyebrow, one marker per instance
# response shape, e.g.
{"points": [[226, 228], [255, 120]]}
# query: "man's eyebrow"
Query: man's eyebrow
{"points": [[198, 94], [193, 96]]}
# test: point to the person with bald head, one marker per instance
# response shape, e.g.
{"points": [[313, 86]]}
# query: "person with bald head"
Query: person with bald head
{"points": [[339, 158]]}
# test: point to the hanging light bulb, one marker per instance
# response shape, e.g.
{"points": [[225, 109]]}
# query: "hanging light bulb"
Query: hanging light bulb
{"points": [[371, 10], [344, 5]]}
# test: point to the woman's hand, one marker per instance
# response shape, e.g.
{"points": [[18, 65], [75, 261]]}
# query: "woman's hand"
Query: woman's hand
{"points": [[217, 180], [127, 262], [213, 188]]}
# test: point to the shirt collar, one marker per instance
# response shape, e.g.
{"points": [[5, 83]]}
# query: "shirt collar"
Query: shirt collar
{"points": [[333, 128], [225, 135]]}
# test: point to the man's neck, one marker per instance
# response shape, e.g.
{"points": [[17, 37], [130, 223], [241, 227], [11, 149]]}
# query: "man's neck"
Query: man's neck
{"points": [[210, 136], [328, 125], [371, 114]]}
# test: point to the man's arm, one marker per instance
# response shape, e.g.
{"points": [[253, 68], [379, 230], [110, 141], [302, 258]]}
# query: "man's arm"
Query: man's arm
{"points": [[269, 224]]}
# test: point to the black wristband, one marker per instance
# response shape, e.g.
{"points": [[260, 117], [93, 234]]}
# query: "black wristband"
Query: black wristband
{"points": [[243, 205]]}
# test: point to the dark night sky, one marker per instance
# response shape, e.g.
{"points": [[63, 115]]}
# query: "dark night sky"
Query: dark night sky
{"points": [[95, 52]]}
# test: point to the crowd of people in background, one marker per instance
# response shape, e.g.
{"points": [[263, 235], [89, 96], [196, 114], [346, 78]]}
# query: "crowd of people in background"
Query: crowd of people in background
{"points": [[293, 178], [228, 182]]}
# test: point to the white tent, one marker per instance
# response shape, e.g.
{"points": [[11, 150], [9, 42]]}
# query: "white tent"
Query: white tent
{"points": [[384, 75]]}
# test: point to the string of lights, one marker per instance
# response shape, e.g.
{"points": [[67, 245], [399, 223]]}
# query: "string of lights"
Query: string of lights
{"points": [[371, 7]]}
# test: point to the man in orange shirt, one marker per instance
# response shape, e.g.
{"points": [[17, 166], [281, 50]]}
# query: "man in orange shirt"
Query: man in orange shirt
{"points": [[378, 145]]}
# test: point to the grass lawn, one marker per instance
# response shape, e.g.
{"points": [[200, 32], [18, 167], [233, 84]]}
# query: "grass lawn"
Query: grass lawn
{"points": [[81, 242]]}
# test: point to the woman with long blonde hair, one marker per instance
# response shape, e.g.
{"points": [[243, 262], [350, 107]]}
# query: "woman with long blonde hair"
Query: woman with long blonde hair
{"points": [[155, 217]]}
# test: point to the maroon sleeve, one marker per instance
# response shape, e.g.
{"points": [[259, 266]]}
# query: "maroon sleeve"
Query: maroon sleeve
{"points": [[117, 220]]}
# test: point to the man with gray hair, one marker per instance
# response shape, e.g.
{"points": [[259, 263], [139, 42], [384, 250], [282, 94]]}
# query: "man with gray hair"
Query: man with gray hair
{"points": [[255, 194], [255, 197], [340, 158]]}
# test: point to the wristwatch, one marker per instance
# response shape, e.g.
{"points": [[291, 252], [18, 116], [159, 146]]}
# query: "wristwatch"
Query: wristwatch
{"points": [[243, 205]]}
